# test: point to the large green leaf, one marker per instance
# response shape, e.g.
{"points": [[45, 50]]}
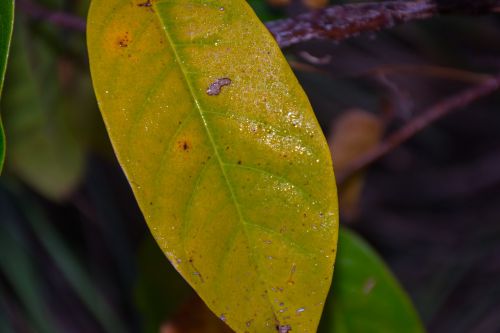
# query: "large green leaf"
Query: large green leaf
{"points": [[223, 152], [365, 296], [6, 22], [42, 149]]}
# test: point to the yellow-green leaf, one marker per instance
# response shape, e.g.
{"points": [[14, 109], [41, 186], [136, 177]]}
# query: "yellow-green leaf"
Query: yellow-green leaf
{"points": [[6, 22], [223, 152]]}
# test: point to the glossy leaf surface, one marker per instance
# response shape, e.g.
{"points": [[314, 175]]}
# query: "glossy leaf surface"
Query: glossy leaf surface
{"points": [[6, 23], [365, 296], [223, 152]]}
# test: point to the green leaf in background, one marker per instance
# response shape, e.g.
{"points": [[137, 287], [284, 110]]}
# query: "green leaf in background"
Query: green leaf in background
{"points": [[42, 149], [159, 291], [224, 154], [19, 263], [6, 23], [18, 267], [264, 11], [365, 296]]}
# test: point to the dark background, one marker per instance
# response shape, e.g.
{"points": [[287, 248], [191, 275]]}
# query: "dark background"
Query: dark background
{"points": [[80, 258]]}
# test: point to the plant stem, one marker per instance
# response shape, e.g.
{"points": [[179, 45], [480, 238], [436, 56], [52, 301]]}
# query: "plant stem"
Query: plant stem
{"points": [[422, 121]]}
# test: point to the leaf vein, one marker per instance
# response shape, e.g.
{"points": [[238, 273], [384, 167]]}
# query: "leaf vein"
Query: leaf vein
{"points": [[214, 146]]}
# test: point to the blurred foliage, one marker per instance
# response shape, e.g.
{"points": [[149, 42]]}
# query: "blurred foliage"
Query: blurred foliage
{"points": [[354, 132], [21, 263], [264, 11], [6, 23], [160, 291], [430, 208], [43, 150], [365, 297], [48, 109]]}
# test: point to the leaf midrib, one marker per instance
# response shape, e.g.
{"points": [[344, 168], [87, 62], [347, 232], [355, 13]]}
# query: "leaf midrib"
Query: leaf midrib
{"points": [[214, 147]]}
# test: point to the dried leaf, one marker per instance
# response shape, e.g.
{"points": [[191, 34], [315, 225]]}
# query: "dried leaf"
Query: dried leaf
{"points": [[355, 133]]}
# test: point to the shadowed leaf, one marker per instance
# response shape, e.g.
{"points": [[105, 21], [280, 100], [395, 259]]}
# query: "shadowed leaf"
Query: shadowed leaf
{"points": [[355, 132], [159, 290], [42, 150], [6, 23], [195, 317], [365, 295]]}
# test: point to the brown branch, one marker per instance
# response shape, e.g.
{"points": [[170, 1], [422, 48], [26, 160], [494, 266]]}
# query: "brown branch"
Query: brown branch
{"points": [[441, 72], [335, 23], [419, 123], [345, 21]]}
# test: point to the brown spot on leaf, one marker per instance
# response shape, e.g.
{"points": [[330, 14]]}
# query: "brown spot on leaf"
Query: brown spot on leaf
{"points": [[283, 328], [369, 285], [216, 87], [124, 40], [148, 4], [184, 145]]}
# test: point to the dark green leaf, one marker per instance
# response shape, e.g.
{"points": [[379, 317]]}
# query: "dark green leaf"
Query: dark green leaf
{"points": [[264, 11], [160, 291], [43, 150], [6, 22], [365, 296]]}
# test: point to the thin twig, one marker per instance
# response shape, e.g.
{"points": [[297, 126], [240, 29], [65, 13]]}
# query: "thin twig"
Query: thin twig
{"points": [[57, 18], [442, 72], [343, 21], [419, 123]]}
